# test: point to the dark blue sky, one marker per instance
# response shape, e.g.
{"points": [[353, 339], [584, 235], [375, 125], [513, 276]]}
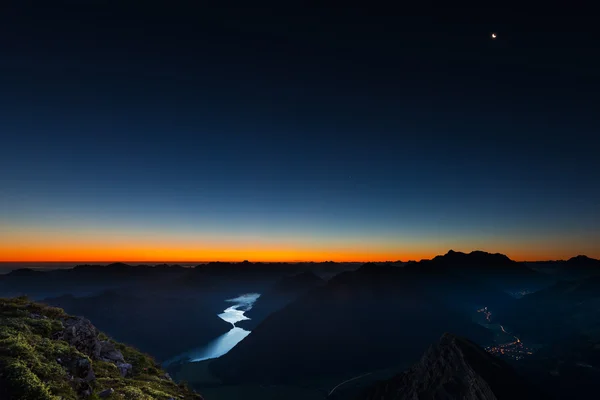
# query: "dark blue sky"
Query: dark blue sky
{"points": [[296, 133]]}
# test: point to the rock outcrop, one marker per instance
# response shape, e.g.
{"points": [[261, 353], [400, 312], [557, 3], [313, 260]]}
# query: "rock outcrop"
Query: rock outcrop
{"points": [[124, 368], [47, 354], [454, 368], [81, 334], [106, 393], [108, 352]]}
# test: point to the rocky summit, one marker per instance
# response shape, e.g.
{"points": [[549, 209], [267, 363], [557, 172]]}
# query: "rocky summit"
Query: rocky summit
{"points": [[454, 368], [46, 354]]}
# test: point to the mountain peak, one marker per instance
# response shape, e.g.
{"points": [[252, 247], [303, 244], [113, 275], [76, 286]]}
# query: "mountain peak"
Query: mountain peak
{"points": [[454, 368], [26, 272], [474, 257], [299, 282], [581, 259], [118, 265], [582, 264]]}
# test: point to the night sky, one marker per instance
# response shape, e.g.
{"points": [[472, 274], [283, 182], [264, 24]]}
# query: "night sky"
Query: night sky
{"points": [[307, 133]]}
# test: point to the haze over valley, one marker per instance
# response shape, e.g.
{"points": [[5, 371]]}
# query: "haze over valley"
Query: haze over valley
{"points": [[330, 330]]}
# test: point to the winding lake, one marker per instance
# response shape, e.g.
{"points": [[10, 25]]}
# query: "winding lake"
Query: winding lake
{"points": [[222, 344]]}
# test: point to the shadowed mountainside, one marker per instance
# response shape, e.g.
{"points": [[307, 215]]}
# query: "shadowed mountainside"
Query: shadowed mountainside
{"points": [[228, 279], [85, 279], [371, 318], [562, 310], [454, 368], [494, 269], [574, 268], [279, 295]]}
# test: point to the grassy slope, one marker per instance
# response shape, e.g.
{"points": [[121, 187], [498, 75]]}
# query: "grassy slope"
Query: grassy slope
{"points": [[29, 367]]}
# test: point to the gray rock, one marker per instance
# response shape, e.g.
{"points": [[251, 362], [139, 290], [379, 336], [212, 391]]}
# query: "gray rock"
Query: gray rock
{"points": [[106, 393], [455, 368], [167, 376], [80, 368], [84, 370], [108, 352], [82, 387], [124, 368], [80, 333]]}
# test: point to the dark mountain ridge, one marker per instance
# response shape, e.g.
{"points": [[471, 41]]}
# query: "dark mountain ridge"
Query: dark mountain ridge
{"points": [[454, 368], [279, 295], [574, 268], [84, 279], [216, 276], [362, 320], [494, 269], [298, 282], [562, 310]]}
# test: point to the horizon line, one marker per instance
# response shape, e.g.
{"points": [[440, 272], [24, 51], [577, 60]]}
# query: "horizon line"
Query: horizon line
{"points": [[172, 262]]}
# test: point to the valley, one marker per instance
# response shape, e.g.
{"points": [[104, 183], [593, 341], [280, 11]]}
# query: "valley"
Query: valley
{"points": [[270, 333], [222, 344]]}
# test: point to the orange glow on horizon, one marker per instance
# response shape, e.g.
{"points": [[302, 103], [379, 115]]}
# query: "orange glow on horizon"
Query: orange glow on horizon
{"points": [[97, 254], [182, 255], [41, 245]]}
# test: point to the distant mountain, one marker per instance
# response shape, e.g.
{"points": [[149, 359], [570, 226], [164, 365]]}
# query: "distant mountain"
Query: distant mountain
{"points": [[24, 272], [371, 318], [581, 266], [574, 268], [565, 309], [454, 368], [84, 279], [223, 278], [476, 259], [566, 369], [495, 269], [235, 278], [279, 295], [297, 283], [582, 262], [563, 321]]}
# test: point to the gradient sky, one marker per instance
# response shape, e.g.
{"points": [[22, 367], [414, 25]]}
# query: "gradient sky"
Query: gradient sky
{"points": [[204, 133]]}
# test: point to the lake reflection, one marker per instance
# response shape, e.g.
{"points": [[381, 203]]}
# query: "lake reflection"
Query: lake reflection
{"points": [[222, 344]]}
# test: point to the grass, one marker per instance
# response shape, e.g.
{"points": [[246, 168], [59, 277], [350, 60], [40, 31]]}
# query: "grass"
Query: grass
{"points": [[30, 367]]}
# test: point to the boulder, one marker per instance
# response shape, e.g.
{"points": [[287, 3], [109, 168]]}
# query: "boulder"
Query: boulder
{"points": [[83, 388], [108, 352], [124, 368], [79, 368], [80, 333], [85, 370], [106, 393]]}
